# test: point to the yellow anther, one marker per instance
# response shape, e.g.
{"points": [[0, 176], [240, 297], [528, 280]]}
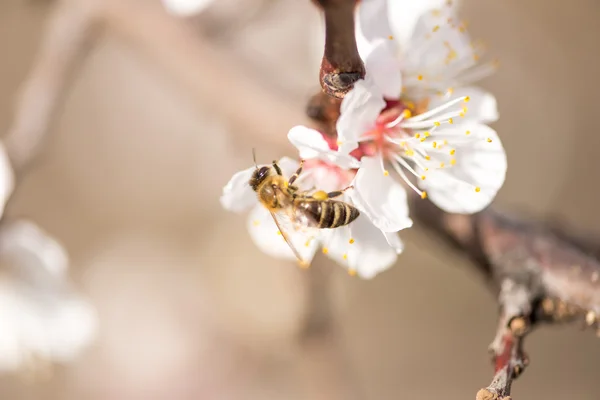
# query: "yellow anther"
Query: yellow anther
{"points": [[453, 161], [351, 241], [422, 139], [423, 177], [410, 105], [279, 233], [436, 123], [325, 250], [478, 189], [256, 222], [418, 135], [403, 143], [420, 77], [345, 256], [442, 165], [320, 195], [426, 169], [423, 195], [403, 90], [339, 143], [436, 12], [307, 243], [391, 37], [452, 152], [475, 57], [434, 144], [450, 90], [489, 140], [467, 99], [406, 113], [409, 152], [436, 28], [428, 158], [445, 141], [386, 172], [465, 109], [303, 264], [467, 132], [352, 272], [427, 134], [462, 114], [450, 121]]}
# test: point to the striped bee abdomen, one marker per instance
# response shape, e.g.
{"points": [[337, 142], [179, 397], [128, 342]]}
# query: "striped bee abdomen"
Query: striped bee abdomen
{"points": [[329, 214]]}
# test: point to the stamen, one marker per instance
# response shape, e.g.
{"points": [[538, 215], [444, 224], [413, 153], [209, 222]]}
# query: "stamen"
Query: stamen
{"points": [[351, 241], [381, 162], [352, 272], [325, 250], [437, 110], [478, 189], [405, 179], [256, 222]]}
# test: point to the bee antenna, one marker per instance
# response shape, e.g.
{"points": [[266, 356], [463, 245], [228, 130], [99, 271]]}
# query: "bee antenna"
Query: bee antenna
{"points": [[254, 157]]}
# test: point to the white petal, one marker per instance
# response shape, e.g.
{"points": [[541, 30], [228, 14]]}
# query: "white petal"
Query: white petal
{"points": [[263, 232], [380, 197], [38, 255], [361, 247], [373, 20], [383, 67], [7, 178], [186, 7], [431, 43], [403, 16], [394, 241], [482, 106], [359, 110], [311, 145], [288, 166], [237, 195], [479, 163]]}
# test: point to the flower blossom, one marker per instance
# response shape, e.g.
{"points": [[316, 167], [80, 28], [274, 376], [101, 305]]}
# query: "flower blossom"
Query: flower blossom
{"points": [[410, 116], [42, 319], [185, 8], [365, 247]]}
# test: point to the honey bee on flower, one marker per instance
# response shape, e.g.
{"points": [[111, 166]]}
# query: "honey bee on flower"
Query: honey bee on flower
{"points": [[360, 246]]}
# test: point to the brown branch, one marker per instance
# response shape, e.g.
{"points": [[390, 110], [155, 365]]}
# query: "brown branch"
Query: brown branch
{"points": [[341, 66], [540, 274], [217, 81], [63, 42]]}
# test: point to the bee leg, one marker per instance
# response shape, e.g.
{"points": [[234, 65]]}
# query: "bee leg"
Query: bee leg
{"points": [[297, 174], [338, 193], [277, 169]]}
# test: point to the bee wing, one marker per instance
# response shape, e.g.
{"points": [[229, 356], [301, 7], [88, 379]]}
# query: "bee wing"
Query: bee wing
{"points": [[282, 226]]}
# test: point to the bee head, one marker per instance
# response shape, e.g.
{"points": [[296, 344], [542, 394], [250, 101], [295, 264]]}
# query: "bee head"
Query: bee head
{"points": [[259, 176]]}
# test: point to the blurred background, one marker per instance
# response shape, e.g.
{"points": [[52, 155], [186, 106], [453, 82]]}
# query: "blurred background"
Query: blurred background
{"points": [[188, 308]]}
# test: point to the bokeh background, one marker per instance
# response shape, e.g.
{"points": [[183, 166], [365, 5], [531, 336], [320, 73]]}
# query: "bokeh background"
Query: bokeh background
{"points": [[130, 177]]}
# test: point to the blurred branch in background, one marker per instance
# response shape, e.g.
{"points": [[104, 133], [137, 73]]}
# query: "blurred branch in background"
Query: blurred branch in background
{"points": [[205, 72], [63, 43]]}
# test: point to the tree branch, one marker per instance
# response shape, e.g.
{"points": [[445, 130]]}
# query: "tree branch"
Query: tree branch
{"points": [[539, 273], [341, 66]]}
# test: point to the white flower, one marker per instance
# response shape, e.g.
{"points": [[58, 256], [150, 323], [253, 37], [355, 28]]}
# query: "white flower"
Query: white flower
{"points": [[460, 166], [456, 160], [361, 247], [185, 8], [40, 316]]}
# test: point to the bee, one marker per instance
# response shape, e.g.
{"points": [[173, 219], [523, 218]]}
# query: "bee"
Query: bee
{"points": [[305, 209]]}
